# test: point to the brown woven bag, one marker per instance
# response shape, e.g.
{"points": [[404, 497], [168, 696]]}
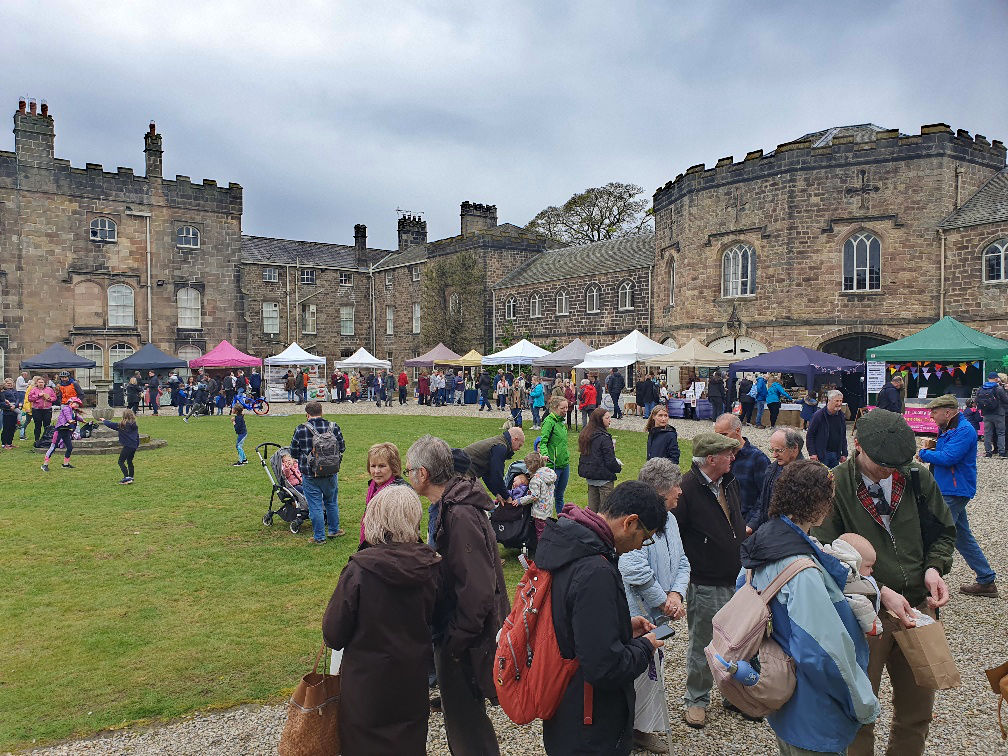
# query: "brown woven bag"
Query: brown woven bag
{"points": [[312, 727]]}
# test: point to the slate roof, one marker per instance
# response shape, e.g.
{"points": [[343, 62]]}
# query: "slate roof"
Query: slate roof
{"points": [[420, 252], [416, 253], [569, 262], [266, 249], [862, 132], [988, 205]]}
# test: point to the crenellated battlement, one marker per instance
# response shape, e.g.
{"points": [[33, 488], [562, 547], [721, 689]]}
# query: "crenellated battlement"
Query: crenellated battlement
{"points": [[848, 145]]}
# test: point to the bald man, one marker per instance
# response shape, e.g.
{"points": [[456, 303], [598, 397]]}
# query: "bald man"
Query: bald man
{"points": [[489, 458]]}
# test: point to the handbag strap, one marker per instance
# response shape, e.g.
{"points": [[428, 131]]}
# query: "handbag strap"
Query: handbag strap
{"points": [[318, 657], [786, 574]]}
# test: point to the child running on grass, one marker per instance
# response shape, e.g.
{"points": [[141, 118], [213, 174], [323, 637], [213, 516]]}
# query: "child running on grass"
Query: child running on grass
{"points": [[385, 468], [238, 420], [129, 437], [70, 414]]}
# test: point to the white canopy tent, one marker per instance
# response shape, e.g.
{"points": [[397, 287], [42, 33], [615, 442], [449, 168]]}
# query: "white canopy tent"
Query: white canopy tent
{"points": [[634, 347], [693, 354], [522, 353], [276, 368], [362, 359], [295, 355]]}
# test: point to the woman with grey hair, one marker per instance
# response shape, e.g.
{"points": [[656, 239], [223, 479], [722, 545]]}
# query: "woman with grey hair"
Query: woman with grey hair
{"points": [[381, 613], [655, 578]]}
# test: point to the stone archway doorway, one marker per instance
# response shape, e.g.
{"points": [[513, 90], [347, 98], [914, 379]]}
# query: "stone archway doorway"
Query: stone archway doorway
{"points": [[854, 345]]}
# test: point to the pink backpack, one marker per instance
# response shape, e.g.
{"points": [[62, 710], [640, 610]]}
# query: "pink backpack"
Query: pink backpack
{"points": [[741, 631]]}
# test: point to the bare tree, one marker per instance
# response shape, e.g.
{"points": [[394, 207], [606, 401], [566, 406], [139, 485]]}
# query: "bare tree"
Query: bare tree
{"points": [[612, 211]]}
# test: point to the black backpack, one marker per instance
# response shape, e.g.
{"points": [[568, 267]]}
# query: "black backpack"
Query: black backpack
{"points": [[326, 456], [987, 401]]}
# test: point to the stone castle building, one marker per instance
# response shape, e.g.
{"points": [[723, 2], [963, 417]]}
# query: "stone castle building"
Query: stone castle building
{"points": [[105, 262]]}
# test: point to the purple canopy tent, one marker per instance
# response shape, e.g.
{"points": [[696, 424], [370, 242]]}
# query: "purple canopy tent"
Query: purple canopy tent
{"points": [[796, 359], [436, 356]]}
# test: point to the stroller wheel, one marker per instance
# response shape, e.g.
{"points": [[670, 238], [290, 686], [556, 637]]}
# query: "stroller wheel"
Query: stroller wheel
{"points": [[268, 520], [295, 527]]}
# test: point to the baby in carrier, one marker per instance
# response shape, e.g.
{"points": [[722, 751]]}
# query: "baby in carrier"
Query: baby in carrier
{"points": [[858, 556]]}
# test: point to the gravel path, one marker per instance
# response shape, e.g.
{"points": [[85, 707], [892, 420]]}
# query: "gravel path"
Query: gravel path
{"points": [[964, 720]]}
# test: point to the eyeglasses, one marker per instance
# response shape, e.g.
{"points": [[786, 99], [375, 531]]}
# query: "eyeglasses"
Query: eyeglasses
{"points": [[775, 450], [408, 470]]}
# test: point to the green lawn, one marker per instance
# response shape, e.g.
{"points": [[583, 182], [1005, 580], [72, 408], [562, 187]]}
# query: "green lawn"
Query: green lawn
{"points": [[125, 603]]}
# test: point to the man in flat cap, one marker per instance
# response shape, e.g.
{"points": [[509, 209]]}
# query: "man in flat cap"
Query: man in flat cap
{"points": [[712, 529], [877, 494], [954, 466]]}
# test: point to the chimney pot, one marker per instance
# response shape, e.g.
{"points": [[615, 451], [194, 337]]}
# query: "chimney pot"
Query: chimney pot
{"points": [[360, 236], [21, 105], [45, 108], [153, 128], [32, 106]]}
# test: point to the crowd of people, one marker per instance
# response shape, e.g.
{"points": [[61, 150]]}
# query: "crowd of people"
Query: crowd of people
{"points": [[659, 549]]}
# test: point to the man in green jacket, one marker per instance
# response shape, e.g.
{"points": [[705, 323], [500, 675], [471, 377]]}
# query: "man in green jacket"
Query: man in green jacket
{"points": [[877, 497]]}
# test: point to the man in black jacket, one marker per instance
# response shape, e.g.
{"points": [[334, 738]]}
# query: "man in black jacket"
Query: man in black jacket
{"points": [[592, 619], [646, 394], [489, 457], [891, 396], [712, 529], [615, 385], [716, 393]]}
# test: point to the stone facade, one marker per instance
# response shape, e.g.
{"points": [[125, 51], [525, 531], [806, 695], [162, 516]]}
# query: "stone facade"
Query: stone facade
{"points": [[797, 207], [69, 235]]}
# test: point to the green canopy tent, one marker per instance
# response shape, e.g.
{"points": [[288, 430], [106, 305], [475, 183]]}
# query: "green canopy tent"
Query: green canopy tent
{"points": [[947, 343]]}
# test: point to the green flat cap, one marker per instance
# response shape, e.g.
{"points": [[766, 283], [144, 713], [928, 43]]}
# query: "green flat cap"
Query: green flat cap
{"points": [[947, 400], [886, 438], [712, 443]]}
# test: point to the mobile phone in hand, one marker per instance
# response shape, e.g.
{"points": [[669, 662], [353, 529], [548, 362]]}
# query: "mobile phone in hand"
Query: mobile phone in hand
{"points": [[661, 632]]}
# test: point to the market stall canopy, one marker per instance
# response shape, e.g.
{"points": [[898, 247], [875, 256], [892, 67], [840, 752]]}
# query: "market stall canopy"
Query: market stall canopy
{"points": [[225, 355], [295, 355], [693, 354], [522, 353], [946, 340], [796, 359], [56, 357], [472, 358], [439, 355], [362, 359], [567, 357], [634, 347], [149, 358]]}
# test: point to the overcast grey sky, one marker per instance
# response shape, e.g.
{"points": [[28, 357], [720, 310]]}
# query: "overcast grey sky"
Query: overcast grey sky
{"points": [[331, 114]]}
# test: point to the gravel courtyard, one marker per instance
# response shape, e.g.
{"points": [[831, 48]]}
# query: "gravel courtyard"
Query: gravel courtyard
{"points": [[964, 720]]}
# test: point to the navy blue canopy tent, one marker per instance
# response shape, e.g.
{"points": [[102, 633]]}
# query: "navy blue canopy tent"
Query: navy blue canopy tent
{"points": [[57, 357], [149, 358], [797, 360]]}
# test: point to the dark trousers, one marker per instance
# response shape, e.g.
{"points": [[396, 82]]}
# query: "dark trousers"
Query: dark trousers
{"points": [[402, 395], [718, 405], [774, 408], [126, 462], [65, 435], [467, 725], [617, 412], [747, 410], [42, 419], [9, 428]]}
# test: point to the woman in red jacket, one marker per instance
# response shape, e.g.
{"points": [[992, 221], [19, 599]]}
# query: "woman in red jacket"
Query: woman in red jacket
{"points": [[423, 388], [589, 401]]}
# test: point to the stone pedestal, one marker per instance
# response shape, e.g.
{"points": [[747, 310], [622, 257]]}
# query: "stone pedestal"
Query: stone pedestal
{"points": [[102, 409]]}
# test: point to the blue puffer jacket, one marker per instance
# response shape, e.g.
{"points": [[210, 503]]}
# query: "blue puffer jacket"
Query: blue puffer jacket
{"points": [[761, 389], [813, 623], [776, 393], [954, 459]]}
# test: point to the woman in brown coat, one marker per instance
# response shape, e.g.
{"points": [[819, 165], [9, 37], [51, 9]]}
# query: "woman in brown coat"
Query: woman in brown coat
{"points": [[381, 615]]}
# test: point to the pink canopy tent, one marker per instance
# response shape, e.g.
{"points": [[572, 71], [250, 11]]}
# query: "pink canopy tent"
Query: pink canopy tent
{"points": [[225, 355]]}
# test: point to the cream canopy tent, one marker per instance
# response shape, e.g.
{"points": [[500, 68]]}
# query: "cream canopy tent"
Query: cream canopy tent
{"points": [[295, 355], [634, 347], [472, 358], [362, 359], [694, 354], [522, 353]]}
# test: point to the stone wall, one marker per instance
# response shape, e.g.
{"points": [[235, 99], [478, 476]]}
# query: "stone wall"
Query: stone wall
{"points": [[977, 303], [796, 208]]}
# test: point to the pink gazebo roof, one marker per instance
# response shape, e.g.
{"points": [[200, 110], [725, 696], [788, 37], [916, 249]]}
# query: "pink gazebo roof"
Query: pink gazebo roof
{"points": [[225, 355]]}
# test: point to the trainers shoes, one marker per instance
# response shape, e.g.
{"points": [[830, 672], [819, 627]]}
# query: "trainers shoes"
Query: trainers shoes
{"points": [[124, 481], [45, 468], [67, 466], [338, 533], [237, 464], [988, 590]]}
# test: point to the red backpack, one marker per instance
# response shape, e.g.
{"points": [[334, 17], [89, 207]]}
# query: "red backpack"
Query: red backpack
{"points": [[529, 673]]}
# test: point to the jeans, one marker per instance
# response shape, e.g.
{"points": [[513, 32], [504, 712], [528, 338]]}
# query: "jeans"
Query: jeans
{"points": [[535, 416], [702, 603], [830, 459], [450, 395], [322, 495], [154, 401], [563, 475], [786, 749], [965, 542], [238, 446], [648, 409], [126, 462], [994, 433], [617, 412], [759, 412], [290, 395], [516, 417]]}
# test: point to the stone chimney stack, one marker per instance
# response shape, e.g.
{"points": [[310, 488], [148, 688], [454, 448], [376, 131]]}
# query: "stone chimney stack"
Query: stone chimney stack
{"points": [[477, 217], [153, 151], [360, 236], [412, 231], [34, 134]]}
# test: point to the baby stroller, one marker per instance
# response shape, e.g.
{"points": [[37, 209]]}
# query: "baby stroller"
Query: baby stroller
{"points": [[513, 525], [293, 507]]}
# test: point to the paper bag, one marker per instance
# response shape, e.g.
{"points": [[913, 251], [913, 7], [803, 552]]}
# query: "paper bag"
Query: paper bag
{"points": [[927, 651]]}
